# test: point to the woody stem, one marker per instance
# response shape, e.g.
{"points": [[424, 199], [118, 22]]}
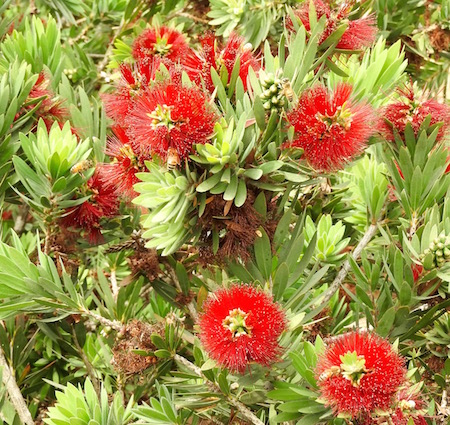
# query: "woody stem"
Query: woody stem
{"points": [[14, 391], [370, 232], [240, 407]]}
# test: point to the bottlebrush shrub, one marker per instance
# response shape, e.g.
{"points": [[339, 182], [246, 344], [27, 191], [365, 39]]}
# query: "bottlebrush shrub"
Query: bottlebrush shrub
{"points": [[272, 199]]}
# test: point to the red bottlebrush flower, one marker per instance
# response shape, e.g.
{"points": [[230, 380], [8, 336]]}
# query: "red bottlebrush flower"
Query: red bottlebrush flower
{"points": [[417, 270], [331, 128], [169, 116], [360, 32], [133, 80], [160, 41], [102, 203], [198, 65], [240, 325], [128, 159], [236, 49], [358, 373], [50, 110], [408, 406], [7, 215], [400, 172], [414, 111]]}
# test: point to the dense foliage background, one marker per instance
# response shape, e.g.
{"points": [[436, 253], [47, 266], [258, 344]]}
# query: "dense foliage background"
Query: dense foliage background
{"points": [[156, 155]]}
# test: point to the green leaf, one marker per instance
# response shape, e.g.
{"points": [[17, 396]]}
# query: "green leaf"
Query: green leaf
{"points": [[209, 183], [280, 280], [263, 254], [386, 322], [231, 190], [241, 194], [254, 173]]}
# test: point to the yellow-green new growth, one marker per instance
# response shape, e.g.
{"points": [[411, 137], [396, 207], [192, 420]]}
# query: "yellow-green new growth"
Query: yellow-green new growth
{"points": [[170, 199]]}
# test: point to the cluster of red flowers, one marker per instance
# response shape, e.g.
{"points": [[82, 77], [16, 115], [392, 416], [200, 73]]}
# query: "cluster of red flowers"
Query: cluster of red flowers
{"points": [[240, 325], [360, 375], [165, 118], [198, 64], [330, 127], [410, 110], [170, 116], [360, 33], [103, 203], [128, 159]]}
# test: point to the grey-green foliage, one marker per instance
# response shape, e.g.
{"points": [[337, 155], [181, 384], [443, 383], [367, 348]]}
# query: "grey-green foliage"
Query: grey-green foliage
{"points": [[374, 77], [82, 406], [254, 18], [38, 44], [27, 287], [367, 190], [417, 166], [16, 82], [87, 115], [330, 239], [162, 409], [225, 158], [169, 197], [67, 9], [48, 179], [297, 392]]}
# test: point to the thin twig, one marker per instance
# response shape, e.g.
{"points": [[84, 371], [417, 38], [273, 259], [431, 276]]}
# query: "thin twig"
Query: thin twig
{"points": [[14, 392], [370, 232], [444, 410], [21, 219], [192, 17], [114, 286], [89, 368], [101, 66], [113, 324], [190, 306], [243, 410]]}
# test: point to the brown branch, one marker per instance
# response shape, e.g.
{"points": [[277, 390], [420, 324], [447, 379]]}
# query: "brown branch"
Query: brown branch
{"points": [[190, 306]]}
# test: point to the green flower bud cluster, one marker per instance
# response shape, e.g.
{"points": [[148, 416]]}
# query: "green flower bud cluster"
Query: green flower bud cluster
{"points": [[437, 253], [275, 92]]}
